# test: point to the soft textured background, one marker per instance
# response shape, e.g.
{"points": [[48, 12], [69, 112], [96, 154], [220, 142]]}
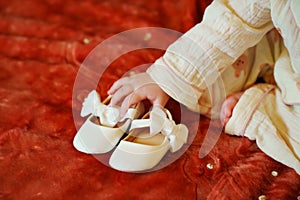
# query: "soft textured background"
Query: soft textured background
{"points": [[41, 48]]}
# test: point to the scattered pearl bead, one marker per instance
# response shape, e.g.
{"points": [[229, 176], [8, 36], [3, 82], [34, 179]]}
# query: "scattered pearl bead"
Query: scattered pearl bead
{"points": [[298, 198], [147, 36], [262, 197], [274, 173], [86, 41], [210, 166]]}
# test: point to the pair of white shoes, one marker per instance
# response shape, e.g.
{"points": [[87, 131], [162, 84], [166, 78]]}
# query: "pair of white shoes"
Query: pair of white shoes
{"points": [[148, 139]]}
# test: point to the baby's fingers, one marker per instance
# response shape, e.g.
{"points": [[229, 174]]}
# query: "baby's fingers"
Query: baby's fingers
{"points": [[117, 85], [130, 100], [120, 94]]}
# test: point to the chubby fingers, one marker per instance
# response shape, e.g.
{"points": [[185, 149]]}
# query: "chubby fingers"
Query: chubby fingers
{"points": [[134, 89], [119, 90], [117, 85], [155, 96], [130, 100], [119, 95]]}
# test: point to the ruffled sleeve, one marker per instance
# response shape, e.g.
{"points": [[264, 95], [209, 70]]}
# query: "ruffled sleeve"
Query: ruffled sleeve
{"points": [[196, 59]]}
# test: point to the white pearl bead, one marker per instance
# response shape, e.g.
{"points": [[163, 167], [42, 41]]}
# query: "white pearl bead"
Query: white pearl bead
{"points": [[147, 36], [262, 197], [86, 41], [210, 166], [274, 173]]}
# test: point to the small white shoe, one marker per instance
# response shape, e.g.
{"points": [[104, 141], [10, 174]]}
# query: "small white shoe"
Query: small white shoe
{"points": [[103, 129], [148, 141]]}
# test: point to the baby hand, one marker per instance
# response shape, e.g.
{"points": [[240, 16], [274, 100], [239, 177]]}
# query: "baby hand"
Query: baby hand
{"points": [[131, 90]]}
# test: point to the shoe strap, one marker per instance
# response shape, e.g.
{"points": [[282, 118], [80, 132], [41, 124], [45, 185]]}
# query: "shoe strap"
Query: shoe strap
{"points": [[161, 122], [130, 114]]}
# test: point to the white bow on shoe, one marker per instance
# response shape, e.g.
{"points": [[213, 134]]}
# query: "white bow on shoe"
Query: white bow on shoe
{"points": [[108, 115], [162, 122], [103, 128]]}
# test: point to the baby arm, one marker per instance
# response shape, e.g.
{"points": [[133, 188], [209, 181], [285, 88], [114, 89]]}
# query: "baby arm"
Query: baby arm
{"points": [[195, 61]]}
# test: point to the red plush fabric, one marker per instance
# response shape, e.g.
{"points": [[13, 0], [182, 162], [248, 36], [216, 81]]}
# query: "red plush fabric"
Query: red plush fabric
{"points": [[42, 46]]}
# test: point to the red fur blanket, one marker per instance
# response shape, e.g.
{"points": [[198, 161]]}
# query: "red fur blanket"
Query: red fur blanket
{"points": [[42, 46]]}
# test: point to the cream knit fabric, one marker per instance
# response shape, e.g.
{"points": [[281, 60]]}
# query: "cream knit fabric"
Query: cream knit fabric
{"points": [[226, 53], [261, 115]]}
